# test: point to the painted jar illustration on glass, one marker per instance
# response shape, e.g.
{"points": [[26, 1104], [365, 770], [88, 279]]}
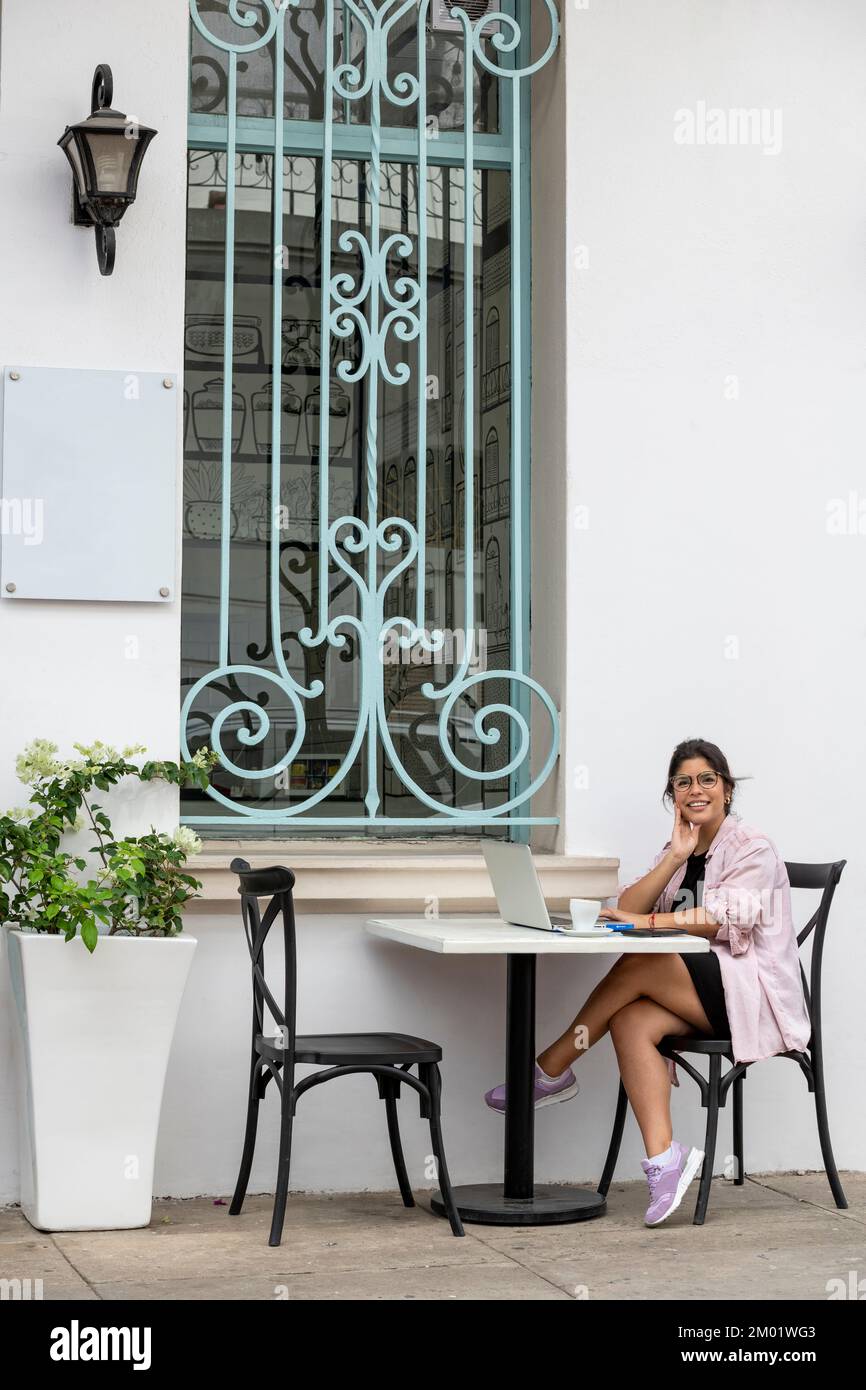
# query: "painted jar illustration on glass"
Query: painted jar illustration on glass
{"points": [[292, 406], [207, 417], [338, 422]]}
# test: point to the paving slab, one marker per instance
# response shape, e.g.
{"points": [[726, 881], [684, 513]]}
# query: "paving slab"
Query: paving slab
{"points": [[490, 1282], [34, 1260], [793, 1272], [15, 1226], [777, 1237], [814, 1188], [734, 1215], [239, 1246], [308, 1209]]}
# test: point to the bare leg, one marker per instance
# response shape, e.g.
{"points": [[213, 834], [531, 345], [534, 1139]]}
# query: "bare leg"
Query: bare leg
{"points": [[636, 1030], [663, 979]]}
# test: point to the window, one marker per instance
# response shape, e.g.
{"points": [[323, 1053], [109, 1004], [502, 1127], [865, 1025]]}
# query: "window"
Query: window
{"points": [[345, 263]]}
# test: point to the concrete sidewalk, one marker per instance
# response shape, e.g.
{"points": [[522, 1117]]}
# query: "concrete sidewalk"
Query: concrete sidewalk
{"points": [[777, 1237]]}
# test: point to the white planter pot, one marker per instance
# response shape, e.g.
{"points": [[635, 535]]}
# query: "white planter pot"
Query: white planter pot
{"points": [[92, 1045]]}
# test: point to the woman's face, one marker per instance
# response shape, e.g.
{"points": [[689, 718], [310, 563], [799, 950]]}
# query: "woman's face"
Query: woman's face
{"points": [[699, 804]]}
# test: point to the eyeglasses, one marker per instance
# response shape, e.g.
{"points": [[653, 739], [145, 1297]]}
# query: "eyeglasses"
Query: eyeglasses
{"points": [[703, 779]]}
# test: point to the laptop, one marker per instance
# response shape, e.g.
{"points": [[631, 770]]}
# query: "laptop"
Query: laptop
{"points": [[519, 896]]}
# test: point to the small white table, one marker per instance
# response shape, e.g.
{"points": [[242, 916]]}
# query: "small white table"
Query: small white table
{"points": [[517, 1201]]}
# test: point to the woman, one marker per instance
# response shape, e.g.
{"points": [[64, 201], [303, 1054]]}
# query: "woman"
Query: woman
{"points": [[720, 879]]}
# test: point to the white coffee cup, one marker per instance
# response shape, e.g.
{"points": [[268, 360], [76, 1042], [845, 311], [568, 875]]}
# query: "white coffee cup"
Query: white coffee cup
{"points": [[584, 912]]}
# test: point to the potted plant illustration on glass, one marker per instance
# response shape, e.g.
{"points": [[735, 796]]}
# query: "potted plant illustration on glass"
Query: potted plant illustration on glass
{"points": [[207, 417], [202, 511], [98, 963], [339, 409], [202, 491], [292, 407]]}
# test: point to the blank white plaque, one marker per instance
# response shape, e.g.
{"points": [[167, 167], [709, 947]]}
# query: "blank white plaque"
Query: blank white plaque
{"points": [[89, 469]]}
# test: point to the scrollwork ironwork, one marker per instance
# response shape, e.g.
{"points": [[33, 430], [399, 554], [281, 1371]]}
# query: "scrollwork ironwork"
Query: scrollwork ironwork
{"points": [[380, 305]]}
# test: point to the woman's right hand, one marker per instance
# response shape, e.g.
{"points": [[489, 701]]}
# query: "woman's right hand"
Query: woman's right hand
{"points": [[684, 838]]}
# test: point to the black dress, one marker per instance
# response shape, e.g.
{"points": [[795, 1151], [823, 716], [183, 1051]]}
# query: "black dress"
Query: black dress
{"points": [[704, 969]]}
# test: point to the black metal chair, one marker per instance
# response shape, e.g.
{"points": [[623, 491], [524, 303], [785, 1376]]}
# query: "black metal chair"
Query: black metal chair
{"points": [[387, 1056], [714, 1088]]}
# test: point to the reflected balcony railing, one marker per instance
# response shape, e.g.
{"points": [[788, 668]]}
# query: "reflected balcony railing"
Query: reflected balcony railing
{"points": [[496, 500], [496, 386]]}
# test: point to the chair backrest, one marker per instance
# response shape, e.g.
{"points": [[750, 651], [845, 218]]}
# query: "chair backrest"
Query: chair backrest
{"points": [[823, 878], [275, 883]]}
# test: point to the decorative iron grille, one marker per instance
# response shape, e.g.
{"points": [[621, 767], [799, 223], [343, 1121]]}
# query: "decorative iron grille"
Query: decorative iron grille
{"points": [[311, 467]]}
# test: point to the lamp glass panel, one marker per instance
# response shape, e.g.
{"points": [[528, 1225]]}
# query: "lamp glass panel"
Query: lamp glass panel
{"points": [[74, 157], [112, 156]]}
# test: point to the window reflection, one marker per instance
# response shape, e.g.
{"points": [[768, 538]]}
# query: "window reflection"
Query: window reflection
{"points": [[304, 66], [332, 717]]}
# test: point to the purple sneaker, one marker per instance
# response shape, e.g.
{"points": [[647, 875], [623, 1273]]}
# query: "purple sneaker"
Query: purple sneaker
{"points": [[546, 1092], [668, 1183]]}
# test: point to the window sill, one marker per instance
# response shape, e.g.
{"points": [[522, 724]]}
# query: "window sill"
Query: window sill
{"points": [[369, 878]]}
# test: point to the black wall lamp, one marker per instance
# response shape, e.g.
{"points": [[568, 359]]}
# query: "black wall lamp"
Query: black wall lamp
{"points": [[105, 152]]}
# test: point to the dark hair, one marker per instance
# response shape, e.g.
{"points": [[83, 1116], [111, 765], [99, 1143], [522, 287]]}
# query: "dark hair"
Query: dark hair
{"points": [[711, 753]]}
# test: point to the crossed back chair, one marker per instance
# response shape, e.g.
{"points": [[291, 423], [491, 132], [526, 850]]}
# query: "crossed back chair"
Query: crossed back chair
{"points": [[389, 1057], [715, 1086]]}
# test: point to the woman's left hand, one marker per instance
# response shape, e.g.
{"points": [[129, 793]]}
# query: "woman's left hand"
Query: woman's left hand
{"points": [[613, 914]]}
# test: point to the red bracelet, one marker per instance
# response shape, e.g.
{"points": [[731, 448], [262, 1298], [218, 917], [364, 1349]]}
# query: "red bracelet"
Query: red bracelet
{"points": [[652, 921]]}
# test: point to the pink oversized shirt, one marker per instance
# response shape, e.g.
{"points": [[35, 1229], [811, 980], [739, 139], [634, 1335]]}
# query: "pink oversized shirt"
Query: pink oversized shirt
{"points": [[746, 891]]}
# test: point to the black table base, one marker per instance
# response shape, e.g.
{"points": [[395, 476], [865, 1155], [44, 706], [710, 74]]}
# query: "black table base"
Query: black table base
{"points": [[516, 1201], [487, 1205]]}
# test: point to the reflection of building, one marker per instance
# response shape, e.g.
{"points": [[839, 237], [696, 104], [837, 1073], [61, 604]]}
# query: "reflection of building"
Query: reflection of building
{"points": [[401, 458]]}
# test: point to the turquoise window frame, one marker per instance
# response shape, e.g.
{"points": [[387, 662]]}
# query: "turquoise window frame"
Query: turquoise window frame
{"points": [[233, 134]]}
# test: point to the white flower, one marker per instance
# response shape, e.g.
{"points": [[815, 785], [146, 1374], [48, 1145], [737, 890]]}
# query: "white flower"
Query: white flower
{"points": [[187, 840], [22, 815], [97, 754], [38, 761]]}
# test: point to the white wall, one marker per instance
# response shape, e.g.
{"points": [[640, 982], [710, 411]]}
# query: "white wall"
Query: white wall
{"points": [[706, 596], [67, 673], [65, 670], [704, 263]]}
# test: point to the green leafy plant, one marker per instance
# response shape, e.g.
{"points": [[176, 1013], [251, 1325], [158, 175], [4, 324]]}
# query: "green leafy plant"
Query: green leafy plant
{"points": [[135, 886]]}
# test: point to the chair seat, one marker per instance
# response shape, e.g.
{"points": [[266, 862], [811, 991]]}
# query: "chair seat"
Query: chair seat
{"points": [[347, 1049], [673, 1043]]}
